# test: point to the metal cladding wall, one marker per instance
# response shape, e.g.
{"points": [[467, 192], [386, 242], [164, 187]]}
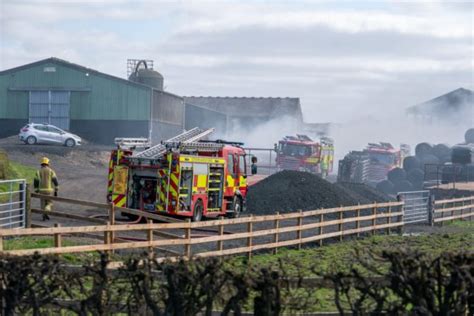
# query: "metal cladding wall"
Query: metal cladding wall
{"points": [[98, 102], [196, 116], [167, 117]]}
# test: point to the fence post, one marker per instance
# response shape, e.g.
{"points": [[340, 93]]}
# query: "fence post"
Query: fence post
{"points": [[57, 237], [299, 232], [340, 224], [249, 238], [107, 240], [442, 214], [358, 221], [220, 243], [389, 220], [150, 237], [374, 213], [187, 246], [321, 229], [28, 206], [276, 235], [431, 210], [112, 219]]}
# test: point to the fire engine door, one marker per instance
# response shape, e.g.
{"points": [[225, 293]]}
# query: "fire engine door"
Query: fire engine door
{"points": [[120, 186], [186, 186]]}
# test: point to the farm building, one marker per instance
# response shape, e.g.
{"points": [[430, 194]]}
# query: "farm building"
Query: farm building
{"points": [[94, 105], [455, 106], [233, 114]]}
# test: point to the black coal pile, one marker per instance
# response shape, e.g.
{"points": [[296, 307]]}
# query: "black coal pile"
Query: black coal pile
{"points": [[289, 191], [366, 192]]}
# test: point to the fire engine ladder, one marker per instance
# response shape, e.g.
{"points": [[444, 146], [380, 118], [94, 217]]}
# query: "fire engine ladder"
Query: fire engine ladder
{"points": [[192, 135], [197, 146]]}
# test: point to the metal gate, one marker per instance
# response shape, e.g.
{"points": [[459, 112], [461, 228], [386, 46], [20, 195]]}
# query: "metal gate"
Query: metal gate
{"points": [[12, 203], [51, 107], [417, 207]]}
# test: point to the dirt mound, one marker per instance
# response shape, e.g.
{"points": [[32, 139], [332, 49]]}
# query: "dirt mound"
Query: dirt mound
{"points": [[289, 191], [367, 192]]}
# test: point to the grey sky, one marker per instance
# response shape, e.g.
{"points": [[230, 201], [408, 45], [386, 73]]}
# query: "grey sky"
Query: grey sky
{"points": [[344, 59]]}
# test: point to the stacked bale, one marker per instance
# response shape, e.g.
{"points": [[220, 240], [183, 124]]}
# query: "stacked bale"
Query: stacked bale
{"points": [[469, 136]]}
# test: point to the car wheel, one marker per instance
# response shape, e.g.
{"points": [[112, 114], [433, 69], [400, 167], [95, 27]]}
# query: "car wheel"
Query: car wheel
{"points": [[237, 208], [197, 212], [31, 140], [70, 142]]}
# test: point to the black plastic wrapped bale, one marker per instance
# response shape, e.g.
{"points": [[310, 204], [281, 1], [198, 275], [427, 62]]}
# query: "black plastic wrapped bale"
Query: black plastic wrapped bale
{"points": [[451, 173], [441, 151], [445, 159], [423, 149], [416, 178], [397, 174], [469, 136], [402, 186], [467, 173], [411, 162], [385, 186], [429, 160], [463, 154]]}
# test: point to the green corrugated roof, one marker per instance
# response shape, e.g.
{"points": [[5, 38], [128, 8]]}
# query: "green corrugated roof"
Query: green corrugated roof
{"points": [[71, 65]]}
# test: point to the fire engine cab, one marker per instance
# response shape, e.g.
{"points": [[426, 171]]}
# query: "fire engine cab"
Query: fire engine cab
{"points": [[302, 153], [183, 176]]}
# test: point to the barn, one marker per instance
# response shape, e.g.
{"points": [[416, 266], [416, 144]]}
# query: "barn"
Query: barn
{"points": [[92, 104]]}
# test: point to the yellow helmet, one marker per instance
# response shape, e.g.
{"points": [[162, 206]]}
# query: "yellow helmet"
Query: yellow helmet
{"points": [[44, 161]]}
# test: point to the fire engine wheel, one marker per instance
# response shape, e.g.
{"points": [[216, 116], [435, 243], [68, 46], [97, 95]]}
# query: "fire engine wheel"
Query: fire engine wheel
{"points": [[197, 212], [237, 207]]}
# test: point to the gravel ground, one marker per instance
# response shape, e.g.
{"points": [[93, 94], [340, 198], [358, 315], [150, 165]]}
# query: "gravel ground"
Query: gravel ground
{"points": [[82, 171]]}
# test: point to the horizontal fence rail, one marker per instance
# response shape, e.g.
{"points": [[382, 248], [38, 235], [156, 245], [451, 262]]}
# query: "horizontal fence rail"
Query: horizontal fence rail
{"points": [[453, 209], [250, 234], [246, 235]]}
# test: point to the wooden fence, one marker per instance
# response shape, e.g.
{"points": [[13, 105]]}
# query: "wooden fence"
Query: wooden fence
{"points": [[453, 209], [250, 234]]}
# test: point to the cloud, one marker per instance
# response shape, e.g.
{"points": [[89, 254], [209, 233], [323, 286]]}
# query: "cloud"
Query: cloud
{"points": [[343, 60]]}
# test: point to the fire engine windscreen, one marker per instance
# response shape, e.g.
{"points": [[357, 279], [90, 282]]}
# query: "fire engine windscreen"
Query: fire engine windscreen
{"points": [[384, 158], [295, 150]]}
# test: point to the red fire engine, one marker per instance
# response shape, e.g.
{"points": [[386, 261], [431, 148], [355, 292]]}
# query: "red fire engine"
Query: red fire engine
{"points": [[300, 152], [183, 176]]}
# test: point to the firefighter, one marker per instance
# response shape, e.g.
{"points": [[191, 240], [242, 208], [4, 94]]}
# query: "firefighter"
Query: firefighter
{"points": [[46, 183], [325, 166], [253, 166]]}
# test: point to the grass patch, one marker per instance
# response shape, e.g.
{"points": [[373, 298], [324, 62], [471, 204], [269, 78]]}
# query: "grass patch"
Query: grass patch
{"points": [[314, 261], [19, 171], [463, 224], [10, 170], [339, 256]]}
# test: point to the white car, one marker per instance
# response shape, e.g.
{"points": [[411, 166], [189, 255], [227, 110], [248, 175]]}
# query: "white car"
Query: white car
{"points": [[47, 134]]}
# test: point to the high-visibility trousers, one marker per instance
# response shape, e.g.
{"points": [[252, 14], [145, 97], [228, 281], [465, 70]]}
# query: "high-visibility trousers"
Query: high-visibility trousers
{"points": [[46, 205]]}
